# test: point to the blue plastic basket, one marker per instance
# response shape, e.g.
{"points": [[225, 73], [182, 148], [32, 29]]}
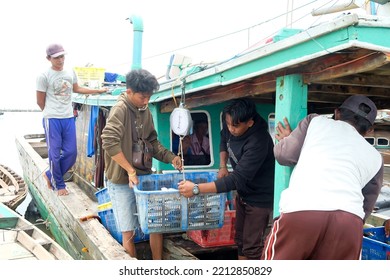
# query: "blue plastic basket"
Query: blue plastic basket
{"points": [[108, 220], [165, 210], [103, 196], [158, 210], [375, 244], [205, 211]]}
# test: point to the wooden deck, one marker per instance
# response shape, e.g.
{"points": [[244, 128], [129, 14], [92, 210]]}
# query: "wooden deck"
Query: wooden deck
{"points": [[21, 240], [174, 244], [82, 238], [178, 246]]}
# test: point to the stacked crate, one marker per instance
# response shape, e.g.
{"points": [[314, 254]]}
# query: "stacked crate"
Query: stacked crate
{"points": [[376, 246], [107, 217], [223, 236]]}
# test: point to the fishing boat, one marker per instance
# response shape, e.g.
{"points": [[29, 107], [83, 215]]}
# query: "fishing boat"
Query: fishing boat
{"points": [[22, 240], [13, 189], [295, 73], [73, 219], [380, 139]]}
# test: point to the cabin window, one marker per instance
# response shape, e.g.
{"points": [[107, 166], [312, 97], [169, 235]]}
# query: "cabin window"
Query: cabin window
{"points": [[370, 140], [271, 125], [197, 147], [382, 142]]}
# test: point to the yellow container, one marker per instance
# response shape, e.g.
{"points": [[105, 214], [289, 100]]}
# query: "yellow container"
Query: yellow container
{"points": [[90, 76], [105, 206]]}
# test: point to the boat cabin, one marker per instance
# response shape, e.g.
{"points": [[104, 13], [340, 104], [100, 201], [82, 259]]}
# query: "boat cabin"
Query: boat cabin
{"points": [[295, 73]]}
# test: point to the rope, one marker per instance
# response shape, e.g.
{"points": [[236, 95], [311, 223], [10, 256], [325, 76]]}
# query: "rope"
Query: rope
{"points": [[41, 222], [182, 156]]}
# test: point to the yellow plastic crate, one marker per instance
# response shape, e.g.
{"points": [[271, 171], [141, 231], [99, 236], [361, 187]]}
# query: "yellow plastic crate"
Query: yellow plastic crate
{"points": [[105, 206], [90, 76]]}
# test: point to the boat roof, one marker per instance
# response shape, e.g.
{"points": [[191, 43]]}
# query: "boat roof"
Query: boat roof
{"points": [[348, 55]]}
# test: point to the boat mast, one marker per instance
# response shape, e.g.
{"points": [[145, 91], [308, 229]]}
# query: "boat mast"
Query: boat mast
{"points": [[289, 14]]}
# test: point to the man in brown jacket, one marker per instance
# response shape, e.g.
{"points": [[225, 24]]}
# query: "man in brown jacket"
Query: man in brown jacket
{"points": [[130, 120]]}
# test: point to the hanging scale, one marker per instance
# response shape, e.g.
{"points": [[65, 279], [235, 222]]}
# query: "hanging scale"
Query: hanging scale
{"points": [[181, 123]]}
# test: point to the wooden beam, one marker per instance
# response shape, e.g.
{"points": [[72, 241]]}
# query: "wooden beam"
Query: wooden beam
{"points": [[362, 80], [363, 64], [330, 90], [172, 252], [34, 247], [328, 61], [222, 94]]}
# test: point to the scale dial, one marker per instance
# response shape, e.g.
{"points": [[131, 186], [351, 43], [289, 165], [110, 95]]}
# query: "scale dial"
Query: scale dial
{"points": [[181, 121]]}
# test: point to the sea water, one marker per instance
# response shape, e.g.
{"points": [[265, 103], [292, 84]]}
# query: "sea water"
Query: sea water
{"points": [[13, 124]]}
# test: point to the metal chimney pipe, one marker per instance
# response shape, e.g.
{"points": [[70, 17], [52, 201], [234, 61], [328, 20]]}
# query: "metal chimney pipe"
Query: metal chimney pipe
{"points": [[337, 6], [138, 28]]}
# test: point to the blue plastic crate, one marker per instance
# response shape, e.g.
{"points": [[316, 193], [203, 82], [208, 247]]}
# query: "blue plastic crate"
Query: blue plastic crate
{"points": [[103, 196], [205, 211], [163, 211], [376, 246], [108, 220], [160, 210]]}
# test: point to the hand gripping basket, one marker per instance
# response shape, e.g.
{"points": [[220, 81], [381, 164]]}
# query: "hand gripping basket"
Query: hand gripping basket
{"points": [[161, 208]]}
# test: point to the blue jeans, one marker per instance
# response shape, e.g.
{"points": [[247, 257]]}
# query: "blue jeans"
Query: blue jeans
{"points": [[124, 206]]}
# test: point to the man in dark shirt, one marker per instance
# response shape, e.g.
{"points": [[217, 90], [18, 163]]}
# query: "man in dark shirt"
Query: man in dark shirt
{"points": [[246, 142]]}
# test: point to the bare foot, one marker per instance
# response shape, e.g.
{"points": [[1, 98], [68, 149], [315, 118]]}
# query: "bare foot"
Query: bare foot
{"points": [[63, 192], [47, 181]]}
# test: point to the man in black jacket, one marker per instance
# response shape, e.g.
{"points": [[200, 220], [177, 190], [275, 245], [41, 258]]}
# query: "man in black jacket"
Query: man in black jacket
{"points": [[245, 141]]}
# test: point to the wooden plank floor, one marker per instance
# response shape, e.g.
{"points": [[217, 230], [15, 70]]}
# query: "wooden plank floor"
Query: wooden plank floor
{"points": [[15, 251], [11, 249], [208, 253], [177, 246]]}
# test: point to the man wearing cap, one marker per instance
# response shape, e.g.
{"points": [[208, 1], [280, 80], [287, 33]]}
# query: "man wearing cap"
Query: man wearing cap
{"points": [[333, 187], [54, 91]]}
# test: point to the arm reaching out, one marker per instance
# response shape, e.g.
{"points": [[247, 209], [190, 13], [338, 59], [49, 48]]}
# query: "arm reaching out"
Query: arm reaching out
{"points": [[283, 131]]}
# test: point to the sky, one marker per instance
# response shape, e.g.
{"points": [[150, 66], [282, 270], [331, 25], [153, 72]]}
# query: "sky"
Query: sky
{"points": [[97, 32]]}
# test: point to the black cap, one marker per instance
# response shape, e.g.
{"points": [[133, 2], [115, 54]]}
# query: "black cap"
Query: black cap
{"points": [[353, 103]]}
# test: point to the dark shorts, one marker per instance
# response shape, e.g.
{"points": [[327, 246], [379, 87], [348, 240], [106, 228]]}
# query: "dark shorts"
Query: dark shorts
{"points": [[315, 235], [251, 224]]}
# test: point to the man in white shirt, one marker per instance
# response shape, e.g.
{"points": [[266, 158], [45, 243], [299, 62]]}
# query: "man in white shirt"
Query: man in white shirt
{"points": [[333, 188], [54, 89]]}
